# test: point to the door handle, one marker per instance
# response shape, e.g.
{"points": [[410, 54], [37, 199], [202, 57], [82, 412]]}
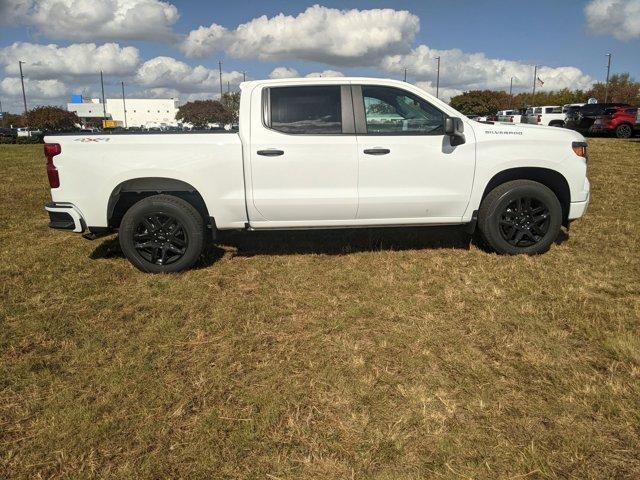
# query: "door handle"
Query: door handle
{"points": [[272, 152], [377, 151]]}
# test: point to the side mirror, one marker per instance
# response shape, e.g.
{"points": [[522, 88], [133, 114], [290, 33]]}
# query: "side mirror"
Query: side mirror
{"points": [[454, 127]]}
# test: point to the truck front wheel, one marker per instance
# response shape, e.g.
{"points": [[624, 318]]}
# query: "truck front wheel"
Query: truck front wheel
{"points": [[162, 234], [520, 216]]}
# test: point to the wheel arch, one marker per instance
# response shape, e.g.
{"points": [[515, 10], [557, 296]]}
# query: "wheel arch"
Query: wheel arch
{"points": [[552, 179], [130, 191]]}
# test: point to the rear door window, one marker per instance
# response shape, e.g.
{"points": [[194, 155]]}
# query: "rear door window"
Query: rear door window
{"points": [[306, 110]]}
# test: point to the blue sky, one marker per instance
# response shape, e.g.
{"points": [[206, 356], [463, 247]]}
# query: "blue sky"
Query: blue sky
{"points": [[171, 48]]}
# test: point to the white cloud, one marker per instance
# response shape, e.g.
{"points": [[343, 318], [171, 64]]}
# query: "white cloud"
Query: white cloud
{"points": [[325, 73], [469, 71], [619, 18], [38, 89], [169, 73], [319, 34], [443, 93], [93, 19], [52, 61], [284, 72]]}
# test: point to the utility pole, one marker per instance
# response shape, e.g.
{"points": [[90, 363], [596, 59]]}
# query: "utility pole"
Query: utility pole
{"points": [[405, 74], [220, 69], [606, 88], [24, 96], [124, 107], [104, 107], [244, 76], [438, 78], [511, 94], [535, 80]]}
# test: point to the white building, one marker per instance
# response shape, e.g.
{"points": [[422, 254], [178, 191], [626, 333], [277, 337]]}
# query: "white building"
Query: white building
{"points": [[141, 112]]}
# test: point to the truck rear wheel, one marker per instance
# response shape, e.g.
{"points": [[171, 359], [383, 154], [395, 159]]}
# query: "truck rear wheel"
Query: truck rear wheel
{"points": [[521, 216], [162, 234]]}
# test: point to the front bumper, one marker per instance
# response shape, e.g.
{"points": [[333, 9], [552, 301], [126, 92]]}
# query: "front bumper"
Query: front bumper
{"points": [[578, 209], [65, 216]]}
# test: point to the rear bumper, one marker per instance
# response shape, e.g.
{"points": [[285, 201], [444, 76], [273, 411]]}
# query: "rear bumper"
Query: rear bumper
{"points": [[65, 216]]}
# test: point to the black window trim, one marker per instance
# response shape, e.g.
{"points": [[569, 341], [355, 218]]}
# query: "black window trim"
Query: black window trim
{"points": [[361, 120], [346, 109]]}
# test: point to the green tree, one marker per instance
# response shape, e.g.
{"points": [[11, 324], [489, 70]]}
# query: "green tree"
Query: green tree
{"points": [[11, 119], [481, 102], [232, 102], [622, 89], [202, 112], [53, 119]]}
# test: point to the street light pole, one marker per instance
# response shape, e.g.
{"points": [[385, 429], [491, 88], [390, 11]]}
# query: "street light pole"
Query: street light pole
{"points": [[244, 76], [511, 94], [606, 88], [104, 107], [220, 69], [535, 78], [438, 78], [24, 96], [124, 106]]}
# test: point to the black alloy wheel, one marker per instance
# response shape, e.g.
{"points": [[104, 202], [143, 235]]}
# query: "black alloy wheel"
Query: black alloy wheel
{"points": [[161, 239], [520, 216], [524, 222], [162, 234], [624, 131]]}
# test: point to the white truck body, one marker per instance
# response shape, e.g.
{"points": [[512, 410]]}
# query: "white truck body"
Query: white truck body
{"points": [[548, 115], [262, 178]]}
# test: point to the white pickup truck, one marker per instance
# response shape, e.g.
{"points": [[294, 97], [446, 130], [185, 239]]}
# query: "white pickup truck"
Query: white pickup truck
{"points": [[319, 153], [548, 115]]}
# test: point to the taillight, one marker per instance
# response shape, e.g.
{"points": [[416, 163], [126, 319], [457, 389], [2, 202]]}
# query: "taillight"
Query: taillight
{"points": [[50, 151], [539, 118]]}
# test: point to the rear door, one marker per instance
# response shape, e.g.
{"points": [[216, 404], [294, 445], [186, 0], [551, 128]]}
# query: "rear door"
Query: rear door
{"points": [[304, 160], [409, 172]]}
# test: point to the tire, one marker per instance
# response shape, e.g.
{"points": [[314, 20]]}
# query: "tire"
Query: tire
{"points": [[557, 124], [624, 130], [162, 234], [520, 217]]}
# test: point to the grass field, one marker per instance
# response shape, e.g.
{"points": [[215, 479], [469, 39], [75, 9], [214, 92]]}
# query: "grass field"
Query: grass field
{"points": [[380, 354]]}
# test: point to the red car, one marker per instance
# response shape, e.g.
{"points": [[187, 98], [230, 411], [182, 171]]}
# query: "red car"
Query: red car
{"points": [[620, 121]]}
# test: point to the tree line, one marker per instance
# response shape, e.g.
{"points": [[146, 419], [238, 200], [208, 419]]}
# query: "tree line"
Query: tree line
{"points": [[622, 89], [201, 113]]}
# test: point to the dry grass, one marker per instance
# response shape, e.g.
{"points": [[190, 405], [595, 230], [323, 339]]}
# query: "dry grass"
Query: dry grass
{"points": [[364, 354]]}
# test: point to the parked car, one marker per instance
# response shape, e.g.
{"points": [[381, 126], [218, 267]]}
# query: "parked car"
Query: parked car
{"points": [[8, 133], [27, 132], [319, 153], [619, 121], [515, 116], [548, 115], [582, 119]]}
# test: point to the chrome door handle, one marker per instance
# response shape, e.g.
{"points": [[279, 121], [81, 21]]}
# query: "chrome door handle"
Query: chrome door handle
{"points": [[272, 152], [377, 151]]}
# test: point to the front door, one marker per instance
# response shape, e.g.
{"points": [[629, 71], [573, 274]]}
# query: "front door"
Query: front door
{"points": [[304, 158], [408, 170]]}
